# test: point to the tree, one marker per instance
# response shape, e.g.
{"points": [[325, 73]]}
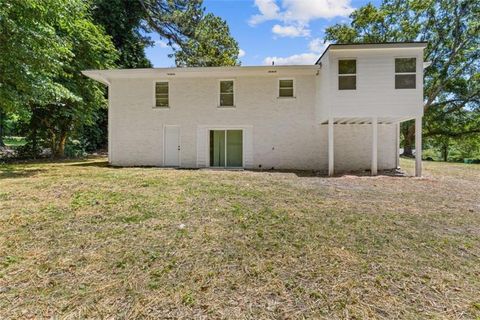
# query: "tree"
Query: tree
{"points": [[53, 120], [173, 20], [197, 39], [210, 46], [46, 43], [452, 88], [31, 53], [123, 21]]}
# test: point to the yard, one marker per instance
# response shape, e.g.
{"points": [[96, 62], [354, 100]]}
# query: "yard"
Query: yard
{"points": [[82, 239]]}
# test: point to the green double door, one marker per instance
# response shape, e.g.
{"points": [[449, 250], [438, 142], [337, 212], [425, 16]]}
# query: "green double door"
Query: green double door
{"points": [[226, 148]]}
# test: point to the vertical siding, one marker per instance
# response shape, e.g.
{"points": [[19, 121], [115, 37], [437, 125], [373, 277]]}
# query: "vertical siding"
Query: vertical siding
{"points": [[375, 94]]}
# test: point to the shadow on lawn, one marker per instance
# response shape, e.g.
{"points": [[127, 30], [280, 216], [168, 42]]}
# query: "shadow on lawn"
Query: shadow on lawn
{"points": [[12, 173], [320, 174], [99, 164], [396, 173]]}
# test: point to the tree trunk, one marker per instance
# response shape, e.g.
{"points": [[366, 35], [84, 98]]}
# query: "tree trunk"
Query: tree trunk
{"points": [[409, 140], [2, 116], [53, 144], [60, 151], [445, 151]]}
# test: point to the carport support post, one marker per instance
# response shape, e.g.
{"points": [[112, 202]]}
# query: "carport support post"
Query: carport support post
{"points": [[418, 147], [374, 146], [330, 147], [397, 149]]}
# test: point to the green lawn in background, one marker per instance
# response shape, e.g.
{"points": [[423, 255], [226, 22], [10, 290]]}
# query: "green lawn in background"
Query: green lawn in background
{"points": [[13, 142]]}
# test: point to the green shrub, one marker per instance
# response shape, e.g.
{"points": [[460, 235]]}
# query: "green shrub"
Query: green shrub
{"points": [[75, 149]]}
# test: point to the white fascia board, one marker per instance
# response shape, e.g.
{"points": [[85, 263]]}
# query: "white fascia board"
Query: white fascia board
{"points": [[97, 75], [224, 72], [379, 46]]}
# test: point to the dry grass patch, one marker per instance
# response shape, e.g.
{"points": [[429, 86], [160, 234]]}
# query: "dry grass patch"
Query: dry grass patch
{"points": [[82, 239]]}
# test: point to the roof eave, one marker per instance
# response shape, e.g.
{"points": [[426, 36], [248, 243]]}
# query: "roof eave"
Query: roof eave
{"points": [[378, 46], [96, 75], [105, 76]]}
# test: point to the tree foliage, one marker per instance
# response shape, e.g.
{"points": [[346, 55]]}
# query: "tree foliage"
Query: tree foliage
{"points": [[210, 46], [452, 29], [49, 42], [123, 21], [173, 20], [45, 44], [90, 49], [31, 52], [197, 39]]}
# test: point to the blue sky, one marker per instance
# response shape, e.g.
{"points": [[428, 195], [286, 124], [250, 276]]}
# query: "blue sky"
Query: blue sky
{"points": [[286, 31]]}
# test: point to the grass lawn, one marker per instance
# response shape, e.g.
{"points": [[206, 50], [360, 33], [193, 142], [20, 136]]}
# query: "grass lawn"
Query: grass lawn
{"points": [[82, 239], [14, 141]]}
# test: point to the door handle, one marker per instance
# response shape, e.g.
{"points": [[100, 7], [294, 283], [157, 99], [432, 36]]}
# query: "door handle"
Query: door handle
{"points": [[178, 148]]}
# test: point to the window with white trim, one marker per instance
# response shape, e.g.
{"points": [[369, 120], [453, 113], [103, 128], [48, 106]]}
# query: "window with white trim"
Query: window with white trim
{"points": [[405, 73], [286, 88], [161, 94], [227, 98], [347, 74]]}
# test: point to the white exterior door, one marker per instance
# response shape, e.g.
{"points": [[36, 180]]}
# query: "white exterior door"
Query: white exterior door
{"points": [[172, 146]]}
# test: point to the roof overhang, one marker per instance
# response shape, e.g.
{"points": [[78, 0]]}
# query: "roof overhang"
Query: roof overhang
{"points": [[374, 46], [96, 75], [105, 76]]}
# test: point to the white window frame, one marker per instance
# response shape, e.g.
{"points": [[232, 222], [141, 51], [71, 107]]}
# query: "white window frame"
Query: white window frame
{"points": [[294, 89], [405, 73], [155, 95], [347, 74], [219, 87]]}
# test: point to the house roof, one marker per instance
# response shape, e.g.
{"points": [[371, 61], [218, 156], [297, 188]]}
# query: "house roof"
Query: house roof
{"points": [[382, 45], [105, 76]]}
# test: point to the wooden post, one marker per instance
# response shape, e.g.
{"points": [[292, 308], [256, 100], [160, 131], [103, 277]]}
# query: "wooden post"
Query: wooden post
{"points": [[330, 148], [109, 125], [374, 146], [397, 149], [418, 146]]}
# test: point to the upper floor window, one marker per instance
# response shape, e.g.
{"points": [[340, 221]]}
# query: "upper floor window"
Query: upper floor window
{"points": [[347, 74], [286, 88], [161, 94], [405, 73], [227, 98]]}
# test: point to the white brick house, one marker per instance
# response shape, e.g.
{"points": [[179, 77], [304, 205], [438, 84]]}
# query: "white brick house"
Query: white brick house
{"points": [[341, 114]]}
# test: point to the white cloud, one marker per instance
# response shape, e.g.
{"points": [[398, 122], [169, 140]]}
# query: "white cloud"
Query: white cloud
{"points": [[307, 10], [290, 31], [268, 11], [304, 58], [317, 45], [298, 13], [241, 53]]}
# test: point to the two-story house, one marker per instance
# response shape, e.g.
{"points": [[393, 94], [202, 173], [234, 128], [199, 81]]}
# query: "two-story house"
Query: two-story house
{"points": [[341, 114]]}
